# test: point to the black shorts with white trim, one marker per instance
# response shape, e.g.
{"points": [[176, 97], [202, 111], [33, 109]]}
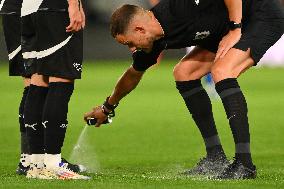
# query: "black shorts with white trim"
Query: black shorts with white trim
{"points": [[48, 49], [12, 33]]}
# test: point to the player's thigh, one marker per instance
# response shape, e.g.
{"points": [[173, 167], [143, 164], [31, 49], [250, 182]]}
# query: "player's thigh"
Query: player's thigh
{"points": [[194, 65], [232, 64], [58, 79], [39, 80], [26, 81]]}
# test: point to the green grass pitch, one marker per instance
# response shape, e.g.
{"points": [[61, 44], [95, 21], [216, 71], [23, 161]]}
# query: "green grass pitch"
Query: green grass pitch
{"points": [[152, 138]]}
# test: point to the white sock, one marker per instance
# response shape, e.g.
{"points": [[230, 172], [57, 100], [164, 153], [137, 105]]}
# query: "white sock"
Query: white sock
{"points": [[37, 160], [52, 160], [25, 160]]}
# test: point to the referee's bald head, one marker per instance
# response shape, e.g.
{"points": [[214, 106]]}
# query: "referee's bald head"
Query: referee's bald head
{"points": [[121, 18]]}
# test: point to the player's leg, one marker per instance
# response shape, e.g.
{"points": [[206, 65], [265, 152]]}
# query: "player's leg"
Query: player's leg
{"points": [[225, 73], [59, 57], [187, 75], [11, 24], [35, 98], [55, 118], [25, 151], [33, 122], [55, 122]]}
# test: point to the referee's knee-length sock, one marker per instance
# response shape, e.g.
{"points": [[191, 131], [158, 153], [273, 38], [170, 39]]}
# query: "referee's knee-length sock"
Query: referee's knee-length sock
{"points": [[33, 123], [24, 159], [199, 105], [55, 121], [236, 109]]}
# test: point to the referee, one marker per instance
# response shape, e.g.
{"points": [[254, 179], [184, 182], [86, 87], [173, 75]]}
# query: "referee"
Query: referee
{"points": [[230, 37], [10, 11]]}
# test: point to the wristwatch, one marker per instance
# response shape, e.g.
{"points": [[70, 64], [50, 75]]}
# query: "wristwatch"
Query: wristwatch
{"points": [[233, 25]]}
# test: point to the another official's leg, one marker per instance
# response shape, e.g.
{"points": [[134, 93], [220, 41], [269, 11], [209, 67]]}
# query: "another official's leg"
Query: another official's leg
{"points": [[225, 73], [187, 75]]}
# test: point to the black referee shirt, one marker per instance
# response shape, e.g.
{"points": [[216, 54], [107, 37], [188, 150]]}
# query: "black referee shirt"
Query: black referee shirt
{"points": [[186, 23]]}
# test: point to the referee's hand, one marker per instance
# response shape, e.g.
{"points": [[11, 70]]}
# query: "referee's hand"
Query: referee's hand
{"points": [[227, 43], [76, 16], [97, 113]]}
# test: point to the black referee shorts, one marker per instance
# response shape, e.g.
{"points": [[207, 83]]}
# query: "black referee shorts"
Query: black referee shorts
{"points": [[48, 49], [263, 27], [12, 32]]}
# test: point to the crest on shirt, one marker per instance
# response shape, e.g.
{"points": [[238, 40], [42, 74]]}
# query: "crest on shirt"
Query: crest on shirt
{"points": [[201, 35]]}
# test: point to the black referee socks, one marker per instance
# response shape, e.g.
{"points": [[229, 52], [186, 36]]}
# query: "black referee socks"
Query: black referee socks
{"points": [[55, 115], [24, 138], [199, 105], [33, 118], [236, 109]]}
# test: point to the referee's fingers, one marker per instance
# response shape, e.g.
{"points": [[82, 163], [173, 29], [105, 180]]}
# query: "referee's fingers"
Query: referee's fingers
{"points": [[225, 51], [219, 52], [87, 115], [98, 124]]}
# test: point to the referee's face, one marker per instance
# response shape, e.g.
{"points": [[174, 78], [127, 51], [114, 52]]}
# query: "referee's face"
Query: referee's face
{"points": [[137, 39]]}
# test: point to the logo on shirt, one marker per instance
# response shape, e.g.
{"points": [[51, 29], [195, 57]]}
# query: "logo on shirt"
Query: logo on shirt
{"points": [[197, 2], [77, 66], [201, 35]]}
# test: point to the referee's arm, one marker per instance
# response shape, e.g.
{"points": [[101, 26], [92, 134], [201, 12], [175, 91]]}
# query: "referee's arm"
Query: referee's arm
{"points": [[235, 10], [131, 78], [127, 82], [235, 15]]}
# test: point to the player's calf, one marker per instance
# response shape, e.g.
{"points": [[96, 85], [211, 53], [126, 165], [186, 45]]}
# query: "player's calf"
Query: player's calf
{"points": [[24, 163]]}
